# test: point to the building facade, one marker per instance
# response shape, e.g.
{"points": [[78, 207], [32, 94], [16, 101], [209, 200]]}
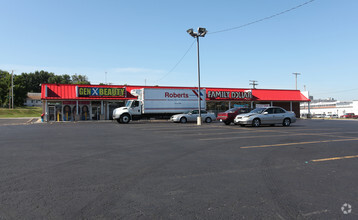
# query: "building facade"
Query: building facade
{"points": [[63, 102], [33, 99], [329, 107]]}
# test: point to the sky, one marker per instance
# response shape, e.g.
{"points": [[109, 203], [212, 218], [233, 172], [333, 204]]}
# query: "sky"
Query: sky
{"points": [[141, 42]]}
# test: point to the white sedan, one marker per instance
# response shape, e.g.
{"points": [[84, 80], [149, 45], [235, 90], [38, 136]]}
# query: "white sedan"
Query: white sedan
{"points": [[269, 116], [192, 116]]}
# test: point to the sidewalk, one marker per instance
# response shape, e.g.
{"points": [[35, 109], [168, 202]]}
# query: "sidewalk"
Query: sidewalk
{"points": [[19, 121]]}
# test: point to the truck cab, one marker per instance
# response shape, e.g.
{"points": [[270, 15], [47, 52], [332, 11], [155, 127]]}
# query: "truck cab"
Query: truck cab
{"points": [[134, 107], [130, 111]]}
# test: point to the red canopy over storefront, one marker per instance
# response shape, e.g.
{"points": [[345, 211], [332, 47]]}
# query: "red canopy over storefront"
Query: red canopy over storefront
{"points": [[122, 92]]}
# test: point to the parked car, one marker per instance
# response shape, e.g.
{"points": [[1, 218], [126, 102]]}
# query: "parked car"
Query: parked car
{"points": [[228, 116], [332, 116], [350, 115], [192, 116], [319, 115], [266, 116]]}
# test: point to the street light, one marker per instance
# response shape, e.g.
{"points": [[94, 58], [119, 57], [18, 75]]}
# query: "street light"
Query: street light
{"points": [[296, 77], [201, 33]]}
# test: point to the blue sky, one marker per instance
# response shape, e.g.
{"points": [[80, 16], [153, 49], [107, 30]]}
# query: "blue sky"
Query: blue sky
{"points": [[141, 41]]}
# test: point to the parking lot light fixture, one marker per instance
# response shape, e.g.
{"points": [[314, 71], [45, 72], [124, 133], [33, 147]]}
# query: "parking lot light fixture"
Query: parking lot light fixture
{"points": [[201, 33]]}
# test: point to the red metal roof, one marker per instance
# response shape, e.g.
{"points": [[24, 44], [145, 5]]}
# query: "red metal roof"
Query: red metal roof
{"points": [[278, 95], [68, 92]]}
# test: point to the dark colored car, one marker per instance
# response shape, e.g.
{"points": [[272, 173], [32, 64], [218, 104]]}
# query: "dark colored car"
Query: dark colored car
{"points": [[229, 116]]}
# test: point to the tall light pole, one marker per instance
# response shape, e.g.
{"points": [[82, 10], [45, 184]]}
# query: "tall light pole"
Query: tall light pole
{"points": [[201, 33], [296, 77]]}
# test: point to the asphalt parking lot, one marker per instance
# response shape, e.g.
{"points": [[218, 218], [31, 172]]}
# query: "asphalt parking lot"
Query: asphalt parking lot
{"points": [[162, 170]]}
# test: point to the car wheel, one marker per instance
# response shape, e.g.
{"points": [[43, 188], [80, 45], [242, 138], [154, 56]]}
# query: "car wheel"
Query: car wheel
{"points": [[286, 122], [125, 119], [256, 122], [208, 120], [227, 122], [119, 121], [183, 120]]}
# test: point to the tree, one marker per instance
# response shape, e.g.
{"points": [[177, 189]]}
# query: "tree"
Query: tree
{"points": [[5, 78], [80, 79], [21, 88], [31, 82], [60, 79]]}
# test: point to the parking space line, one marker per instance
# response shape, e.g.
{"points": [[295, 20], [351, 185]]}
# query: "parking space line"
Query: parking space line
{"points": [[335, 158], [300, 143], [278, 135]]}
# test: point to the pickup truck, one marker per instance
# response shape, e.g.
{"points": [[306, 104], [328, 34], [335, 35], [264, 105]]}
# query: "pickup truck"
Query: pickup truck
{"points": [[350, 115]]}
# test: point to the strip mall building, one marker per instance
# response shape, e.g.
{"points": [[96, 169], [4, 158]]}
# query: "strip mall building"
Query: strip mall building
{"points": [[63, 102]]}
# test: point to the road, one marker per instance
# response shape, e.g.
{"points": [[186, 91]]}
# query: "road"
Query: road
{"points": [[162, 170]]}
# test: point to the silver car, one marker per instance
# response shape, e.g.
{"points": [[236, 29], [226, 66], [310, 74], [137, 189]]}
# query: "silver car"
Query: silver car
{"points": [[266, 116], [192, 116]]}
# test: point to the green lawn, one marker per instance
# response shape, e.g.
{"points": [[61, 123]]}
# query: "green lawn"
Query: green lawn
{"points": [[20, 112]]}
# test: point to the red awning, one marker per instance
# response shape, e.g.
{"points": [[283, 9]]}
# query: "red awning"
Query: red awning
{"points": [[278, 95], [69, 92]]}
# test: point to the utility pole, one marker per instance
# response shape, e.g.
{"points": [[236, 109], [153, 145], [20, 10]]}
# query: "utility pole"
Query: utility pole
{"points": [[296, 74], [12, 89], [253, 83], [9, 98]]}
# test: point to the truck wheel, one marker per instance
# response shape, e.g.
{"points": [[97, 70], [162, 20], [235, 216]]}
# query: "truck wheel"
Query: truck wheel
{"points": [[125, 119], [286, 122], [208, 120], [256, 122], [227, 122], [183, 120]]}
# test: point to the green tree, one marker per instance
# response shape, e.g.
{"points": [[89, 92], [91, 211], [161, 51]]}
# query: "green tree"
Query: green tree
{"points": [[80, 79], [5, 78]]}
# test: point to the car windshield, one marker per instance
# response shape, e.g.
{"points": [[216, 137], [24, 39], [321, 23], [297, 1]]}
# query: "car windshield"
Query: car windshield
{"points": [[232, 110], [258, 110]]}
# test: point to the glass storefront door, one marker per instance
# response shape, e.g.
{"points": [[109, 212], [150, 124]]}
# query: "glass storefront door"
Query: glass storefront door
{"points": [[51, 113], [96, 111]]}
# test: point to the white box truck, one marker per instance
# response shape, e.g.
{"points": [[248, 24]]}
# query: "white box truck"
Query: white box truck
{"points": [[159, 103]]}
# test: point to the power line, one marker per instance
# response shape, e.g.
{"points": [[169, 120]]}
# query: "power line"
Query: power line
{"points": [[233, 28], [262, 19], [177, 62]]}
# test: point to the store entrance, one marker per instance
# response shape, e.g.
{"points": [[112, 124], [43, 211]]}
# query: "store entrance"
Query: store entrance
{"points": [[51, 113], [95, 110]]}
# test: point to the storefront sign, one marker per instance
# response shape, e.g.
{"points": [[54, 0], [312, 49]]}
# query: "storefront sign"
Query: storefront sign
{"points": [[237, 95], [100, 91]]}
